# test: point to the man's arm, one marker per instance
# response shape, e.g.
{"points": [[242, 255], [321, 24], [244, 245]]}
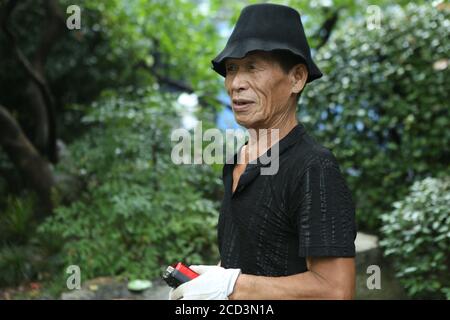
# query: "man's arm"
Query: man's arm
{"points": [[326, 278]]}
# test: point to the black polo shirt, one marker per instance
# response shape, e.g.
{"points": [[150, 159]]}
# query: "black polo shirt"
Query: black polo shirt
{"points": [[271, 223]]}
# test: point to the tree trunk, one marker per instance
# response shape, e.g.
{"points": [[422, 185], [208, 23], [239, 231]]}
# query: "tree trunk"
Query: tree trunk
{"points": [[42, 102], [39, 135], [35, 170]]}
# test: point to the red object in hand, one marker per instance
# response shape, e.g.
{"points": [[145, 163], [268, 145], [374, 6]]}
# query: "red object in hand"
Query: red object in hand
{"points": [[178, 274], [186, 271]]}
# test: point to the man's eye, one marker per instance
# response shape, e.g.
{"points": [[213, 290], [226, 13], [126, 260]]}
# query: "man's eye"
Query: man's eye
{"points": [[251, 67], [231, 68]]}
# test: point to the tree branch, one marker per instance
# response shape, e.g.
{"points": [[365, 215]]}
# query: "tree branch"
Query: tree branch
{"points": [[327, 27], [54, 28], [176, 84], [9, 8], [36, 70]]}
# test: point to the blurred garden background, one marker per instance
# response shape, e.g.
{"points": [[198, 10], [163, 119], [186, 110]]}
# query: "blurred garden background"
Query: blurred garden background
{"points": [[86, 115]]}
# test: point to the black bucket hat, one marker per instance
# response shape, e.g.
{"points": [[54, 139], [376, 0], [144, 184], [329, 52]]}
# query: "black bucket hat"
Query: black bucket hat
{"points": [[268, 27]]}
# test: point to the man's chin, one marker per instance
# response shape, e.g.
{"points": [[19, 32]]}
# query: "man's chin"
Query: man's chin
{"points": [[245, 122], [249, 122]]}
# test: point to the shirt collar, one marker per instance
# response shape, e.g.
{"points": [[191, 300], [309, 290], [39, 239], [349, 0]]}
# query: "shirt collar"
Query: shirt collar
{"points": [[252, 169], [284, 144]]}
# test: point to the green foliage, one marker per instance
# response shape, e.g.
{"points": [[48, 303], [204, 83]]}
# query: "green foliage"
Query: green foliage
{"points": [[417, 236], [15, 265], [120, 44], [132, 48], [16, 221], [25, 256], [139, 211], [143, 33], [35, 260], [382, 105]]}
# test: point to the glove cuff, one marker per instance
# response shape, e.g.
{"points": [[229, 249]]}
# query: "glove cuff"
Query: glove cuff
{"points": [[233, 274]]}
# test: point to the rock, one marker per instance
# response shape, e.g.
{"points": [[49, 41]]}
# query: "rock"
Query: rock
{"points": [[368, 253], [365, 242], [112, 289], [81, 294], [159, 291]]}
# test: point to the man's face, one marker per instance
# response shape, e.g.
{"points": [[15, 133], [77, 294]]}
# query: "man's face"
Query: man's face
{"points": [[259, 89]]}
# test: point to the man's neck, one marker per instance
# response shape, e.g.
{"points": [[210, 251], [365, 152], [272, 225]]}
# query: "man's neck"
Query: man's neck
{"points": [[262, 139]]}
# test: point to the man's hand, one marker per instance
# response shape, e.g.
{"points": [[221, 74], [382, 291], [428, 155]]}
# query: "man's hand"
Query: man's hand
{"points": [[214, 283]]}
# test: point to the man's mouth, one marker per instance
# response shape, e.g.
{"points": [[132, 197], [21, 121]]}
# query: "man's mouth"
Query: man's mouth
{"points": [[241, 104]]}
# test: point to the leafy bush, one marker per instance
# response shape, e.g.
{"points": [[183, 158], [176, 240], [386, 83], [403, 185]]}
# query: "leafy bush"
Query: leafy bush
{"points": [[16, 223], [15, 265], [382, 105], [24, 255], [139, 211], [417, 236], [29, 262]]}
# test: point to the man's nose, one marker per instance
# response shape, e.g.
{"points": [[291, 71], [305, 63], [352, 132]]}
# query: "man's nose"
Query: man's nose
{"points": [[239, 82]]}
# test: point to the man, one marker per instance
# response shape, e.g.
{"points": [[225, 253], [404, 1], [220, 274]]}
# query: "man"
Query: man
{"points": [[289, 235]]}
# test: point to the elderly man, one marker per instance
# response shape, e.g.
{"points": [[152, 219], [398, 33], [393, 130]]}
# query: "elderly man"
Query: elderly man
{"points": [[289, 235]]}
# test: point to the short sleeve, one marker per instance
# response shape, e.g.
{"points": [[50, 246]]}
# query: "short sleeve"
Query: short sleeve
{"points": [[323, 211]]}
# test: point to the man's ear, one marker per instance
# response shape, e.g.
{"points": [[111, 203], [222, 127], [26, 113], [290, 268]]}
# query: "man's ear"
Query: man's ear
{"points": [[299, 75]]}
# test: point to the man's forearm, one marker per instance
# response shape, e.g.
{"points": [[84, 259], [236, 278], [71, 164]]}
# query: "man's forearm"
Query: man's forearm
{"points": [[307, 285]]}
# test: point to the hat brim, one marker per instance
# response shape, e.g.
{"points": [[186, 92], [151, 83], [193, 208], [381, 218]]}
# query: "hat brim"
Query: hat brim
{"points": [[240, 49]]}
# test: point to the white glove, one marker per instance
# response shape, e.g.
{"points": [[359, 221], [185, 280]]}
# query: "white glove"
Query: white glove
{"points": [[214, 283]]}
